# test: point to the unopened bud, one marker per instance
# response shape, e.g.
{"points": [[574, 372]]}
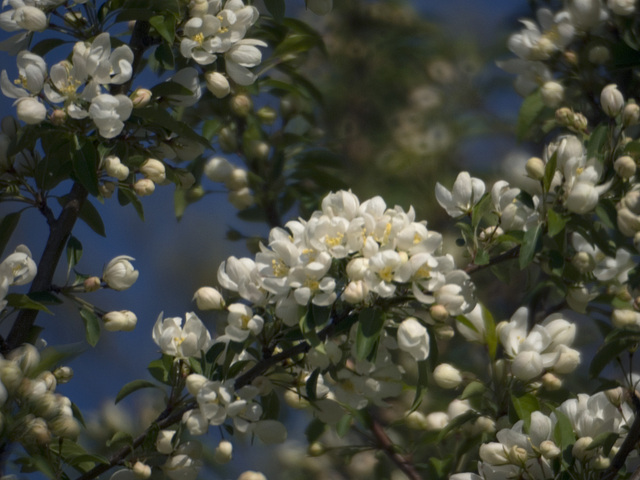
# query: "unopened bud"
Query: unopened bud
{"points": [[445, 332], [217, 84], [552, 94], [355, 292], [92, 284], [107, 189], [63, 374], [438, 312], [65, 426], [241, 105], [227, 140], [267, 115], [316, 449], [436, 421], [601, 462], [218, 169], [36, 430], [241, 198], [186, 180], [237, 179], [209, 298], [551, 382], [144, 187], [164, 441], [259, 150], [611, 100], [535, 168], [625, 318], [58, 117], [154, 170], [141, 470], [119, 321], [415, 420], [141, 97], [615, 396], [549, 450], [625, 167], [194, 382], [583, 262], [630, 114], [115, 168], [564, 116], [295, 400], [223, 452], [447, 376]]}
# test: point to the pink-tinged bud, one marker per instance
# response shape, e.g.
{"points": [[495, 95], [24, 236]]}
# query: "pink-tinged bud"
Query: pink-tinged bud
{"points": [[141, 97], [209, 298], [611, 100], [119, 321], [144, 187], [241, 105], [154, 170], [92, 284], [58, 117], [30, 110]]}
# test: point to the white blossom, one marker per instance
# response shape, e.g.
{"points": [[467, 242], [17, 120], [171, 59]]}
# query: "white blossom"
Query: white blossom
{"points": [[181, 341], [466, 192]]}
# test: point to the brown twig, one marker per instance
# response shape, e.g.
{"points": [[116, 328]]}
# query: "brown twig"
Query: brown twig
{"points": [[59, 232], [508, 255], [386, 445], [629, 443], [167, 418]]}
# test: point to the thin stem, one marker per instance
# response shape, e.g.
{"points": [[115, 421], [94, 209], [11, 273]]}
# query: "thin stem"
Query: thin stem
{"points": [[508, 255], [386, 445], [167, 418], [627, 446], [59, 232]]}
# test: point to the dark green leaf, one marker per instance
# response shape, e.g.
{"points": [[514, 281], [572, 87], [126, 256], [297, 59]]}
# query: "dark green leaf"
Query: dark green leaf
{"points": [[74, 253], [549, 171], [421, 385], [482, 208], [311, 384], [525, 405], [126, 196], [90, 215], [612, 349], [563, 433], [308, 329], [85, 165], [91, 326], [314, 430], [165, 26], [556, 222], [370, 324], [7, 226], [490, 332], [606, 440], [155, 115], [45, 46], [160, 369], [24, 301], [530, 245], [607, 213], [344, 425], [531, 108], [597, 141], [482, 257], [120, 438], [132, 387]]}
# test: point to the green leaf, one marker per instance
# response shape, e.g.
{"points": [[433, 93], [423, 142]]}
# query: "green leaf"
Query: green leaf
{"points": [[84, 159], [421, 385], [165, 26], [563, 433], [597, 141], [490, 332], [45, 46], [370, 325], [314, 430], [525, 405], [482, 257], [156, 115], [531, 108], [557, 222], [482, 208], [160, 369], [25, 302], [311, 384], [474, 389], [120, 438], [611, 349], [344, 425], [74, 253], [308, 329], [276, 8], [91, 326], [607, 213], [132, 387], [530, 244], [606, 440], [126, 196], [90, 215], [456, 422], [7, 225]]}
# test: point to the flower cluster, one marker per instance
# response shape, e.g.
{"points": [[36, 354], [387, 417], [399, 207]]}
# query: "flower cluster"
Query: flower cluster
{"points": [[79, 84], [529, 451], [213, 30]]}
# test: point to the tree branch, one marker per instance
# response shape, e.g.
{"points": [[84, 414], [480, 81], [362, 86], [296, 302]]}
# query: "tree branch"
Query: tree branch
{"points": [[167, 418], [508, 255], [59, 232], [385, 444]]}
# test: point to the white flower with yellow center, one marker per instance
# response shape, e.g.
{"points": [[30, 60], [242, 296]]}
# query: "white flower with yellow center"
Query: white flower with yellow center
{"points": [[180, 341], [310, 284]]}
